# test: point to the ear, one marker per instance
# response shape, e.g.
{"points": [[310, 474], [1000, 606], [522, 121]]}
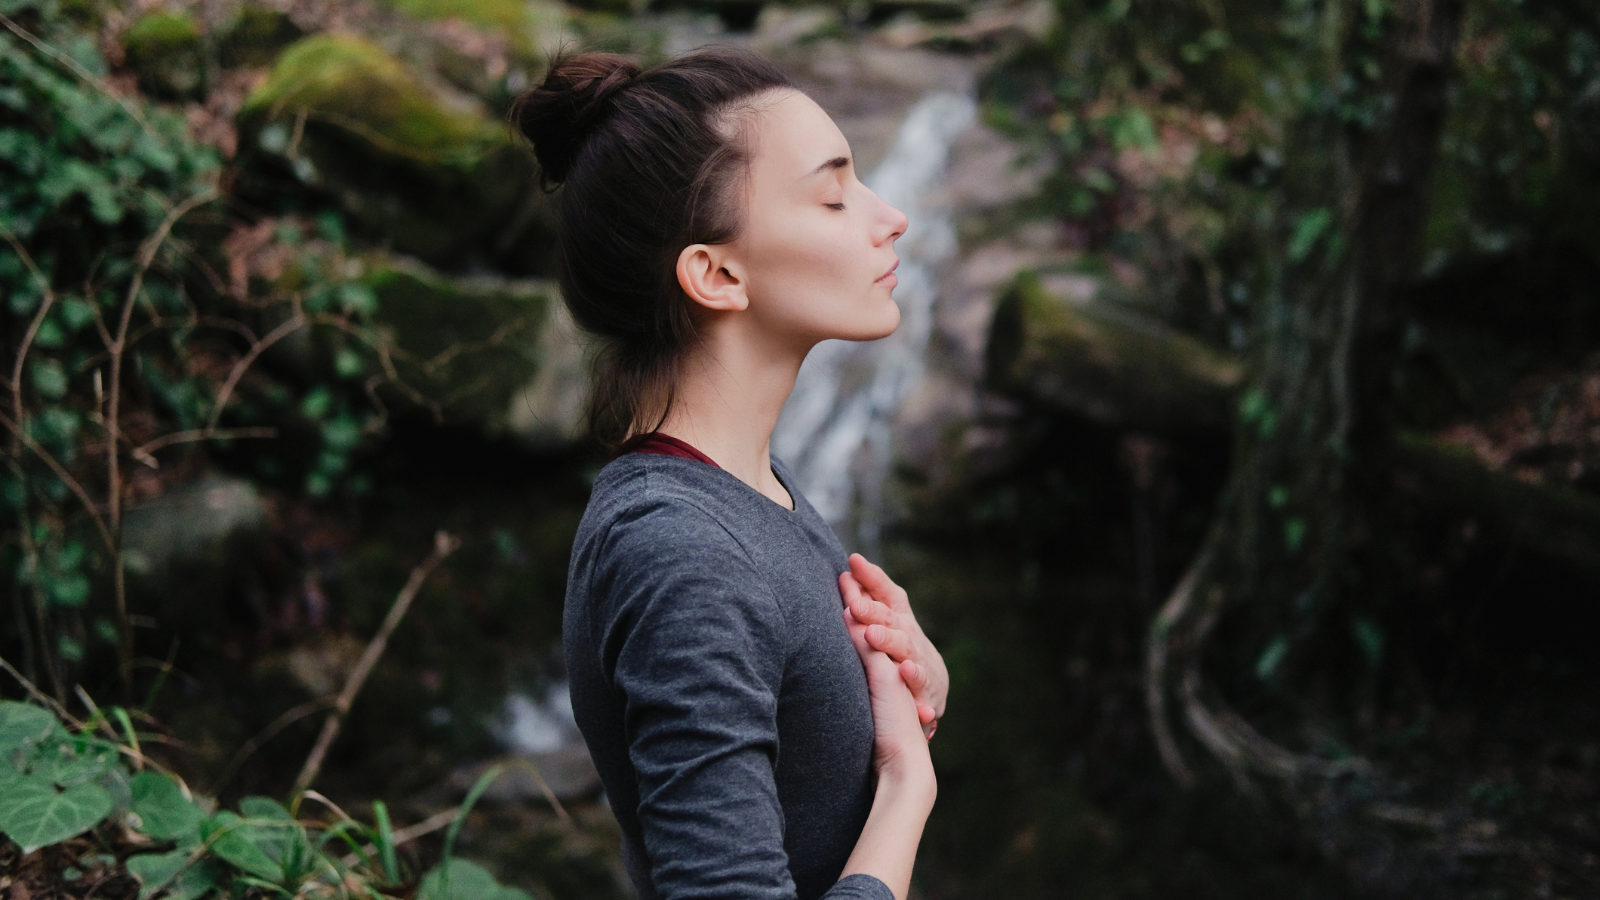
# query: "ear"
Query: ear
{"points": [[711, 277]]}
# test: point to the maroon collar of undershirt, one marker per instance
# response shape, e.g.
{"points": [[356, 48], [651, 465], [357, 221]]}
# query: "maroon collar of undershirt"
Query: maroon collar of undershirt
{"points": [[666, 445]]}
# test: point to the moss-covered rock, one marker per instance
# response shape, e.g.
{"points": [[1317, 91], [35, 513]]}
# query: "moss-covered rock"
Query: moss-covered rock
{"points": [[165, 49], [255, 36], [1107, 364], [355, 85], [423, 170], [471, 345], [510, 16]]}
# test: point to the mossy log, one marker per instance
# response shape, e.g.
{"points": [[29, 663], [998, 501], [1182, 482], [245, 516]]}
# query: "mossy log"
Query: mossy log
{"points": [[1555, 520], [1109, 365]]}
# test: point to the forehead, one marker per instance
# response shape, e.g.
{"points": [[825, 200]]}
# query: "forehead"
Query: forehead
{"points": [[793, 136]]}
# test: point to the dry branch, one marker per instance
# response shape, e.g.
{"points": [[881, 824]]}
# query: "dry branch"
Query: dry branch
{"points": [[443, 546]]}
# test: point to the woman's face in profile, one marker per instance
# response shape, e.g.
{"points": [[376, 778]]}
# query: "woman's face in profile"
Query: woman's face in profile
{"points": [[817, 247]]}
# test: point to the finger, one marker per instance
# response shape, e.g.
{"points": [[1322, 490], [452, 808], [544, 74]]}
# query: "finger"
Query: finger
{"points": [[925, 714], [849, 588], [916, 677], [871, 612], [875, 581], [891, 641]]}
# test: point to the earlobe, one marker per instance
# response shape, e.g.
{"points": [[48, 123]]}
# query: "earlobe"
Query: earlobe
{"points": [[710, 278]]}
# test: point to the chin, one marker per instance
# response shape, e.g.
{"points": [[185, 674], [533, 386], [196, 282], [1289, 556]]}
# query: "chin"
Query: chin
{"points": [[880, 326]]}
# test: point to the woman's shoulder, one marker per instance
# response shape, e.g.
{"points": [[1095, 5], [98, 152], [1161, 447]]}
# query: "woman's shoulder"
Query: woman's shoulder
{"points": [[643, 502]]}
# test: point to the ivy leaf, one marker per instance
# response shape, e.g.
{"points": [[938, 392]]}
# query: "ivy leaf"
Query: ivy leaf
{"points": [[183, 881], [234, 841], [49, 378], [23, 725], [1306, 232], [457, 879], [71, 760], [167, 815], [36, 815]]}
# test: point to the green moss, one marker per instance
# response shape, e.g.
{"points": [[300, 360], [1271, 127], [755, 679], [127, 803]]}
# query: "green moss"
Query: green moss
{"points": [[160, 34], [510, 16], [164, 48], [468, 344], [354, 85]]}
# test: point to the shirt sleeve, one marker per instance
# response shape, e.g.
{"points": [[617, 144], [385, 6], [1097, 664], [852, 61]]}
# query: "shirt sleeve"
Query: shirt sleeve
{"points": [[697, 650]]}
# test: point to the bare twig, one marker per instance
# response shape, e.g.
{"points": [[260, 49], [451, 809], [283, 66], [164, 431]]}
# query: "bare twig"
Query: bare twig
{"points": [[544, 787], [41, 696], [33, 326], [147, 256], [408, 834], [443, 546], [72, 483], [143, 452], [284, 329], [248, 748]]}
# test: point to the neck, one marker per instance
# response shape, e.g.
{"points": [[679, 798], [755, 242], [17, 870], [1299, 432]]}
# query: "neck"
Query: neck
{"points": [[729, 394]]}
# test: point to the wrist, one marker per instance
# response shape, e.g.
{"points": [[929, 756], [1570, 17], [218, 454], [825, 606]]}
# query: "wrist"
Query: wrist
{"points": [[909, 781]]}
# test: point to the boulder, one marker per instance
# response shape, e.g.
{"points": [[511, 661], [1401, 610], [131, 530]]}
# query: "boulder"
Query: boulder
{"points": [[1107, 363], [164, 48], [191, 546], [470, 345], [422, 168]]}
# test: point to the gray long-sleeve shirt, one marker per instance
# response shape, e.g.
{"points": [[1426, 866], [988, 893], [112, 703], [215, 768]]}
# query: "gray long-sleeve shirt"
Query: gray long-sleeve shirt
{"points": [[716, 686]]}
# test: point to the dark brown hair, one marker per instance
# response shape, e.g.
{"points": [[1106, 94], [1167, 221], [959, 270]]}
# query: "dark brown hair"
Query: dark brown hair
{"points": [[649, 161]]}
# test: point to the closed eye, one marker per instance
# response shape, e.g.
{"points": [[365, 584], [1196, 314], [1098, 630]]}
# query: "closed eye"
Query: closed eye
{"points": [[835, 206]]}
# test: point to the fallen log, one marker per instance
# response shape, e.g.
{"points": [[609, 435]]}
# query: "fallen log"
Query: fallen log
{"points": [[1555, 520], [1110, 365]]}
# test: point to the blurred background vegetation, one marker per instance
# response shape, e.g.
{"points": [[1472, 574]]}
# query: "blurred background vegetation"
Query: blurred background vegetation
{"points": [[1250, 488]]}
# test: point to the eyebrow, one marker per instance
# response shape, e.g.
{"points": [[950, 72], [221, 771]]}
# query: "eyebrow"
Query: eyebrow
{"points": [[838, 162]]}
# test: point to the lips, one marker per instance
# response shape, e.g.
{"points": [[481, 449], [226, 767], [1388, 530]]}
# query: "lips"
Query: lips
{"points": [[889, 277]]}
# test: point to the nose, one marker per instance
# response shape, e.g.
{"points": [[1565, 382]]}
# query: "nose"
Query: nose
{"points": [[892, 221]]}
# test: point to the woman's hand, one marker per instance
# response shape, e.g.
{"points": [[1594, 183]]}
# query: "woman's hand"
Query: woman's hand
{"points": [[900, 749], [884, 609]]}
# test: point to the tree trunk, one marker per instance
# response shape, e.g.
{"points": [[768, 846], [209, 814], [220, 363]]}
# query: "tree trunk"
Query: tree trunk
{"points": [[1314, 437]]}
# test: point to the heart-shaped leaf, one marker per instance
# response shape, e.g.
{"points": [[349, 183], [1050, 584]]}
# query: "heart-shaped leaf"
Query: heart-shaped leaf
{"points": [[36, 815], [22, 725], [183, 880], [235, 841], [167, 815], [457, 879], [67, 760]]}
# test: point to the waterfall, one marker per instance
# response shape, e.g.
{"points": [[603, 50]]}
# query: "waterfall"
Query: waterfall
{"points": [[836, 430]]}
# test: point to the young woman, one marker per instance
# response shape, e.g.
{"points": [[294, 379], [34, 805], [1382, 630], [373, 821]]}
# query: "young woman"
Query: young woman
{"points": [[756, 702]]}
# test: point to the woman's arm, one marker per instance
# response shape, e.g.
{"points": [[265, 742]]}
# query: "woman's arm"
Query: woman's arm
{"points": [[887, 847]]}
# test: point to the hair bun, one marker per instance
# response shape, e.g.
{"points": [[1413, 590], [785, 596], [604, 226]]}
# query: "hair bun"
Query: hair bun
{"points": [[559, 114]]}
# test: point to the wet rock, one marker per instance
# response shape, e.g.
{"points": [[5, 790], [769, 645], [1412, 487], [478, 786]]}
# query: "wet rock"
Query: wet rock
{"points": [[546, 752], [256, 35], [475, 347], [421, 166], [191, 546], [194, 523], [164, 48], [1105, 363], [548, 412]]}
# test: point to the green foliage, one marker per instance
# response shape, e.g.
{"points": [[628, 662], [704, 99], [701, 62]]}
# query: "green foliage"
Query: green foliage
{"points": [[59, 784], [111, 233]]}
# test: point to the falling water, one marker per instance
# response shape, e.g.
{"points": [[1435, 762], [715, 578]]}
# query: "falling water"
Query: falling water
{"points": [[835, 432]]}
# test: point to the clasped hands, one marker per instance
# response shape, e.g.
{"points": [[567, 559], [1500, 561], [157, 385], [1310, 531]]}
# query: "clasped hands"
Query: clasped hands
{"points": [[874, 602]]}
